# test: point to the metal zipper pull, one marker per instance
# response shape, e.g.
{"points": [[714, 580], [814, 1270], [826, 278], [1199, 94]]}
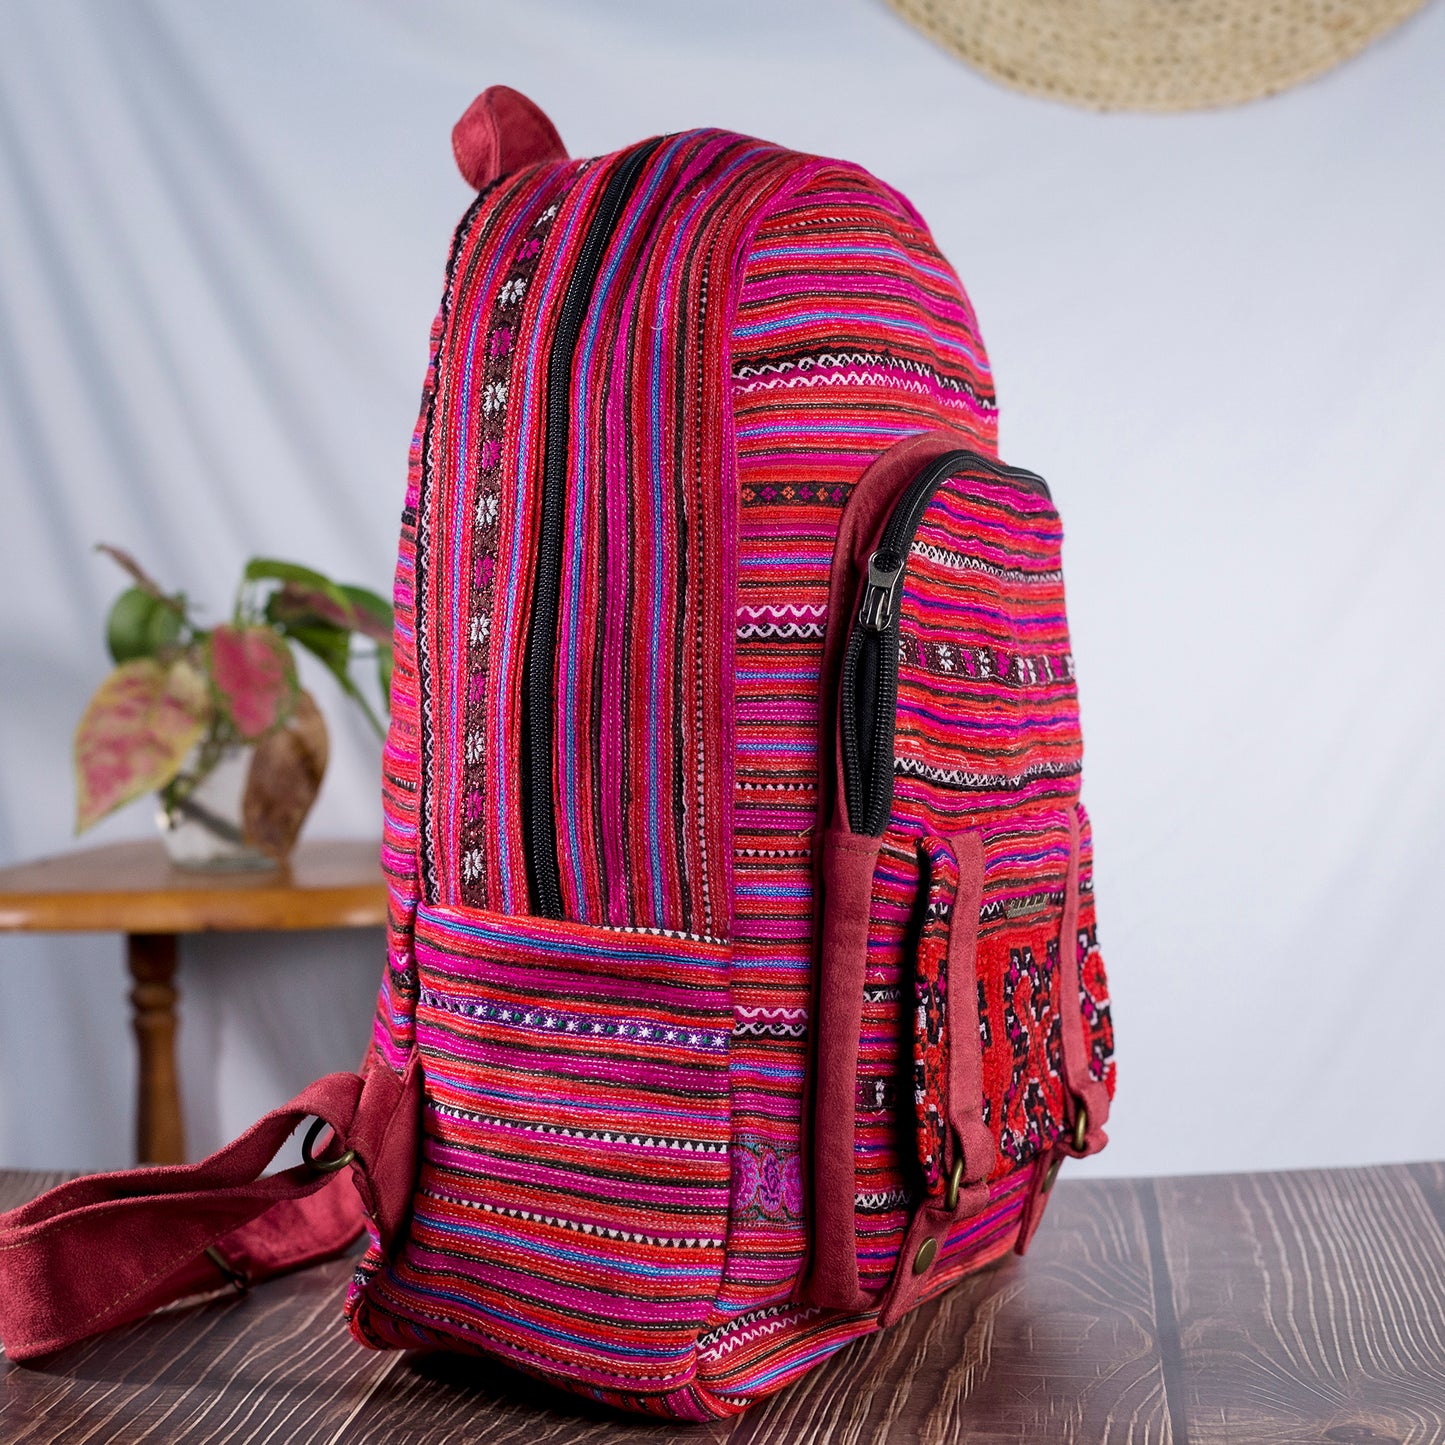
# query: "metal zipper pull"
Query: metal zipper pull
{"points": [[876, 612]]}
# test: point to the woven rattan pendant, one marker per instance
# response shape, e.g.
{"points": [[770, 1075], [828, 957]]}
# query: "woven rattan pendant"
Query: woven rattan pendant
{"points": [[1159, 55]]}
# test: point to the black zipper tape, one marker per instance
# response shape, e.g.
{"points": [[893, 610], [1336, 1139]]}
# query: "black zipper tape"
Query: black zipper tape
{"points": [[868, 705], [539, 814]]}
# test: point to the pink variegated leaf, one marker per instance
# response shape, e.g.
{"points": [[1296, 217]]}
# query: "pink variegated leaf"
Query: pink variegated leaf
{"points": [[254, 677], [135, 734]]}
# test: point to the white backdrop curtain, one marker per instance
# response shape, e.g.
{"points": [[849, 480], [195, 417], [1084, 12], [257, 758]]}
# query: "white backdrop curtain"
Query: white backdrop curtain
{"points": [[1219, 335]]}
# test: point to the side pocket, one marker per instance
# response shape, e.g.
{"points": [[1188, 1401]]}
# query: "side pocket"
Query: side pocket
{"points": [[572, 1203]]}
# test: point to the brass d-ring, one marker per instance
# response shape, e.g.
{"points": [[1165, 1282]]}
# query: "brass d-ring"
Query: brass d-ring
{"points": [[322, 1166], [955, 1183], [1081, 1128]]}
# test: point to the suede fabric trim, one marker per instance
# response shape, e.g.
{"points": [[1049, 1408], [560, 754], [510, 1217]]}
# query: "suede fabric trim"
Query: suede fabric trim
{"points": [[848, 863], [967, 1134], [502, 131], [100, 1251], [965, 1049], [1083, 1087]]}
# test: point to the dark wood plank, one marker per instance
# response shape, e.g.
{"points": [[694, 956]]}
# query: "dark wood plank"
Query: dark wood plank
{"points": [[1430, 1179], [1058, 1347], [459, 1400], [20, 1186], [1311, 1306], [274, 1365]]}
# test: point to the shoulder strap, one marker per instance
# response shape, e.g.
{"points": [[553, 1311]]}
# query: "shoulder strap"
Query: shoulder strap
{"points": [[105, 1249]]}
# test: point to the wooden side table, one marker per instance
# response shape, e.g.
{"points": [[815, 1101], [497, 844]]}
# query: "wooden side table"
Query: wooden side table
{"points": [[132, 888]]}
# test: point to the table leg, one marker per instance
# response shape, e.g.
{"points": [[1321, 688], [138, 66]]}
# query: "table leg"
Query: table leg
{"points": [[160, 1136]]}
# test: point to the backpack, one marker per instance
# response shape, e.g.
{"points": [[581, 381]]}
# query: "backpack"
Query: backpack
{"points": [[743, 988]]}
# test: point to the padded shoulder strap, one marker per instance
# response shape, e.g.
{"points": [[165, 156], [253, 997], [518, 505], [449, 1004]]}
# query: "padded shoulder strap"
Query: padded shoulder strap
{"points": [[105, 1249]]}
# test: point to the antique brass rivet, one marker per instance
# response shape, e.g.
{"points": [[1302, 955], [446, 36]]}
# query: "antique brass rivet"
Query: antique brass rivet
{"points": [[925, 1254], [1081, 1127], [955, 1183]]}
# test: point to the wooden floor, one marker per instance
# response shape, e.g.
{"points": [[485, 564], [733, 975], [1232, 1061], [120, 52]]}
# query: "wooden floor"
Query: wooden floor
{"points": [[1269, 1308]]}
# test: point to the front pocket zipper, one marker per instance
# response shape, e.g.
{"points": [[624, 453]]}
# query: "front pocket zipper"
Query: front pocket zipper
{"points": [[869, 688], [539, 815]]}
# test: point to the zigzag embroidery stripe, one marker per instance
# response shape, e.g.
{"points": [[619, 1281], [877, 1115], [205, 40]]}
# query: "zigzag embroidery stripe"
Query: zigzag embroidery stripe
{"points": [[979, 782], [963, 562], [593, 1136], [557, 1221]]}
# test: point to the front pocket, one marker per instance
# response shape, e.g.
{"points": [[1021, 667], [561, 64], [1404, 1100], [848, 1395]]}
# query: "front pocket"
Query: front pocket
{"points": [[1020, 984], [572, 1203]]}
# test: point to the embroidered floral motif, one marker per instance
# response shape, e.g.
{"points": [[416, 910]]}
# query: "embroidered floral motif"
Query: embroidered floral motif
{"points": [[497, 354], [766, 1184], [874, 1094], [930, 1044]]}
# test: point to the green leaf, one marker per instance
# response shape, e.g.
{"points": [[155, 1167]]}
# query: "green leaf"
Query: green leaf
{"points": [[332, 645], [374, 613], [165, 628], [128, 627], [263, 569], [135, 734], [271, 569], [254, 677]]}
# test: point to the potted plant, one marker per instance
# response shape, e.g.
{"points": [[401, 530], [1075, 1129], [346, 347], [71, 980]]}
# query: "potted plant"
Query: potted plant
{"points": [[214, 719]]}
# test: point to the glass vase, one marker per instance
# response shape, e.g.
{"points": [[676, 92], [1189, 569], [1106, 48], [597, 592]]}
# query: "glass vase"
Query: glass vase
{"points": [[200, 816]]}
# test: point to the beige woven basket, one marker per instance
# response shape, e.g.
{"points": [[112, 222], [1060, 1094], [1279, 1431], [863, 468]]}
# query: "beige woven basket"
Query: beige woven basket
{"points": [[1154, 54]]}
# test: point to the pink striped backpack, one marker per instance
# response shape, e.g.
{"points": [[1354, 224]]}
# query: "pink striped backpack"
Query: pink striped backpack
{"points": [[743, 989]]}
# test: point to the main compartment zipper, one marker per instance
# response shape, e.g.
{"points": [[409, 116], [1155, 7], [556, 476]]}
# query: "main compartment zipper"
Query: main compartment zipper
{"points": [[539, 814], [868, 701]]}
